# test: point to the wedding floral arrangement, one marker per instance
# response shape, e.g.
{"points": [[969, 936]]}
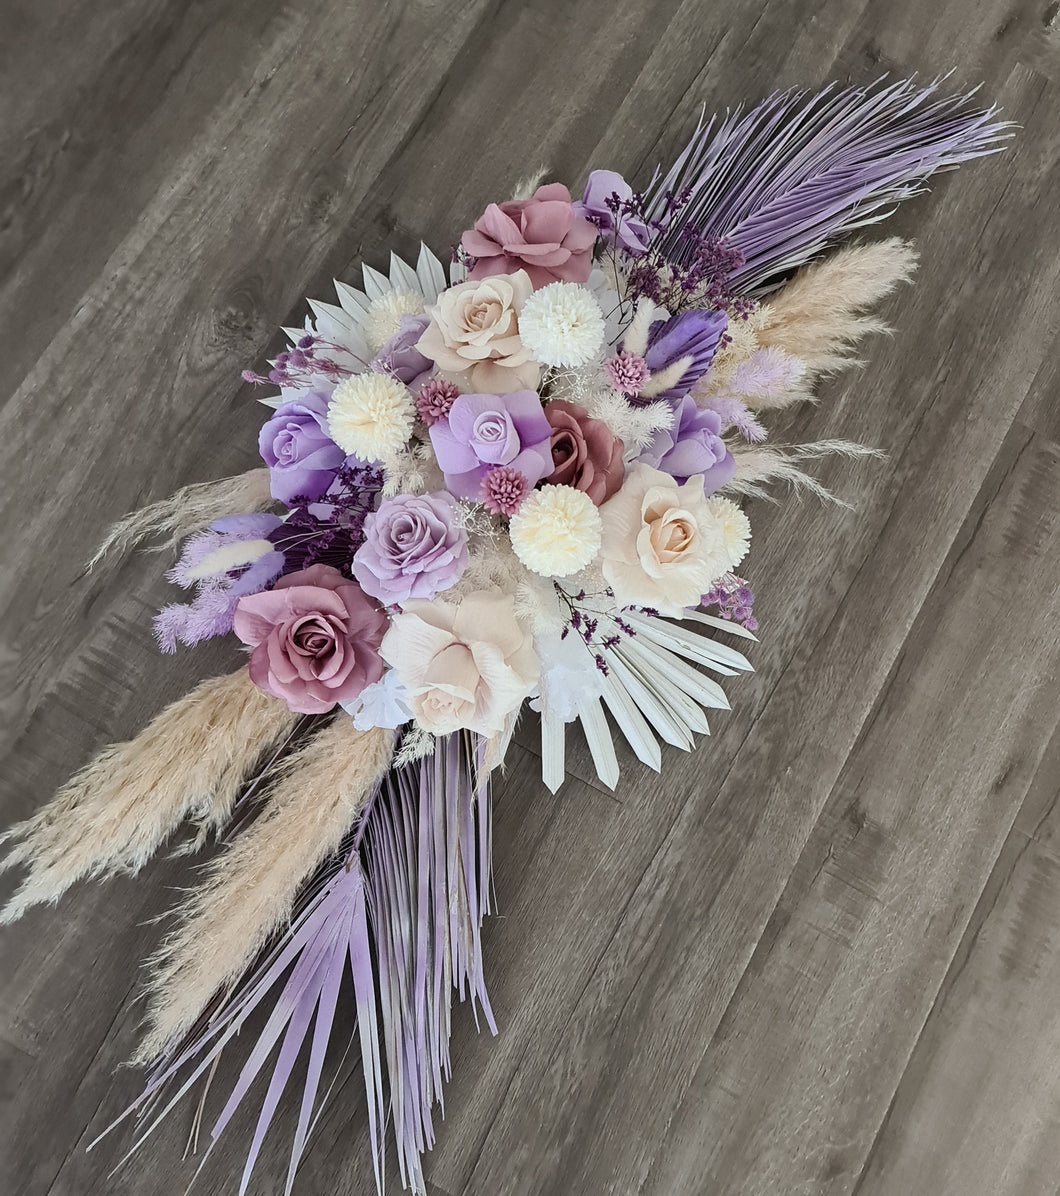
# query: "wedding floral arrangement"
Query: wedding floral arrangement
{"points": [[516, 480]]}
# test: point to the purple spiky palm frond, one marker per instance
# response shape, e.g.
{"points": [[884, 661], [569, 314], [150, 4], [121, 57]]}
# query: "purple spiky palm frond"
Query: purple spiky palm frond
{"points": [[400, 911], [786, 179]]}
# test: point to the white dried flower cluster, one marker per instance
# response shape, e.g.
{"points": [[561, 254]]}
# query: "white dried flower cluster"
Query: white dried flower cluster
{"points": [[735, 528], [562, 325], [383, 319], [634, 426], [556, 531], [370, 416]]}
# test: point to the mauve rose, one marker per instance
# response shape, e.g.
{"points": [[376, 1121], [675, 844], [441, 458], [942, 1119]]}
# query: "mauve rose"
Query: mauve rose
{"points": [[626, 231], [542, 235], [295, 445], [585, 452], [482, 431], [413, 548], [692, 446], [314, 639], [399, 358]]}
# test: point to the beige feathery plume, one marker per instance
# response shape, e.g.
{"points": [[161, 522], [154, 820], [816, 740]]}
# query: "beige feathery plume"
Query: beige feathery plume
{"points": [[189, 510], [819, 316], [758, 464], [525, 187], [115, 814], [251, 888]]}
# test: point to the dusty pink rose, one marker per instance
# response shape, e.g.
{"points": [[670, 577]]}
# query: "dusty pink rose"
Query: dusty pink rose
{"points": [[543, 235], [662, 546], [585, 452], [314, 639], [474, 335], [463, 666]]}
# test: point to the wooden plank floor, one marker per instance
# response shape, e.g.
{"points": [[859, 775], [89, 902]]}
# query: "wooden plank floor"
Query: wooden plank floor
{"points": [[821, 955]]}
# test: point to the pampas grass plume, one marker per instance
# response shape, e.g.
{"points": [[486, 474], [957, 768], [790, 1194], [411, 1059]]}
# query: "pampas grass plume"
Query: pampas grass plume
{"points": [[250, 890], [115, 814]]}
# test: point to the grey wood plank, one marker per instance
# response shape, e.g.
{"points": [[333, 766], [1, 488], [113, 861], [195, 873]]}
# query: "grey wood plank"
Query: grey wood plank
{"points": [[978, 1107], [264, 163]]}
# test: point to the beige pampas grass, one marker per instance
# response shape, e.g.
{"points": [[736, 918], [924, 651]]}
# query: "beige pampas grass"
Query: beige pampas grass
{"points": [[115, 814], [189, 510], [819, 316], [759, 464], [251, 889]]}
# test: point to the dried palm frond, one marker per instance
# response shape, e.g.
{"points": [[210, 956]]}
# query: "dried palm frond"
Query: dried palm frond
{"points": [[191, 761], [402, 904], [251, 889]]}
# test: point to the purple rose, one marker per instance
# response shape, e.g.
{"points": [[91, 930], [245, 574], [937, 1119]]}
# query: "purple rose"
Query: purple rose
{"points": [[399, 357], [413, 548], [692, 334], [693, 445], [483, 431], [295, 445], [606, 203]]}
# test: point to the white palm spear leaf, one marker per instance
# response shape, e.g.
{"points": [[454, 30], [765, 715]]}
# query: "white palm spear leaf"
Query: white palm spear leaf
{"points": [[357, 324], [652, 689]]}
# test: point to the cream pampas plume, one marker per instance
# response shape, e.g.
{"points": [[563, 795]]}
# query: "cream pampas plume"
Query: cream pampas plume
{"points": [[819, 316], [251, 889], [114, 815], [189, 510], [758, 464]]}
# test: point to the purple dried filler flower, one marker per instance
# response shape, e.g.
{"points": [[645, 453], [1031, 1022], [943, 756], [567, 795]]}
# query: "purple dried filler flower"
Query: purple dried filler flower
{"points": [[626, 372], [610, 204], [435, 400], [294, 443], [413, 547], [482, 431]]}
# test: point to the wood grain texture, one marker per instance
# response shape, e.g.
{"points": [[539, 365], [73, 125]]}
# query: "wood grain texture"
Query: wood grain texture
{"points": [[821, 954]]}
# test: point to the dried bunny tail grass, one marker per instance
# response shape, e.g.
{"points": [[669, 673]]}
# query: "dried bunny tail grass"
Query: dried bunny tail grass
{"points": [[115, 814], [250, 890], [818, 317], [527, 186], [189, 510], [757, 465]]}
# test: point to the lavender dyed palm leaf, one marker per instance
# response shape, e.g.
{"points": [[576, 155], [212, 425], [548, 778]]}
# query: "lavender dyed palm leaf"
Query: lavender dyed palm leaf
{"points": [[785, 180], [402, 909]]}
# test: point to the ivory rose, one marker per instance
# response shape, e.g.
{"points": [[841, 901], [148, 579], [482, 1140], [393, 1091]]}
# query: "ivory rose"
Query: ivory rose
{"points": [[661, 545], [465, 665], [474, 334]]}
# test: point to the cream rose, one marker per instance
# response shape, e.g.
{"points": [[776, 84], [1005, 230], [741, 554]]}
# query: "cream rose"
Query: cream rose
{"points": [[474, 334], [662, 545], [468, 665]]}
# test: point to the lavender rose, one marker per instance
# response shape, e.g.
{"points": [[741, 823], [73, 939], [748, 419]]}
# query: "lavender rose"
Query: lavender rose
{"points": [[693, 445], [314, 639], [483, 431], [605, 203], [399, 357], [295, 445], [413, 548]]}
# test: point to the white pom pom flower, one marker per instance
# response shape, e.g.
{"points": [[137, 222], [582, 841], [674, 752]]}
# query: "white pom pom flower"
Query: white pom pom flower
{"points": [[383, 318], [556, 532], [562, 325], [370, 415], [735, 528]]}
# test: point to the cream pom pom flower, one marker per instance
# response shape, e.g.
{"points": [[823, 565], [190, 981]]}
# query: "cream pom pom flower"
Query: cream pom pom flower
{"points": [[370, 416], [468, 665], [383, 318], [735, 528], [562, 325], [556, 531], [662, 544]]}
